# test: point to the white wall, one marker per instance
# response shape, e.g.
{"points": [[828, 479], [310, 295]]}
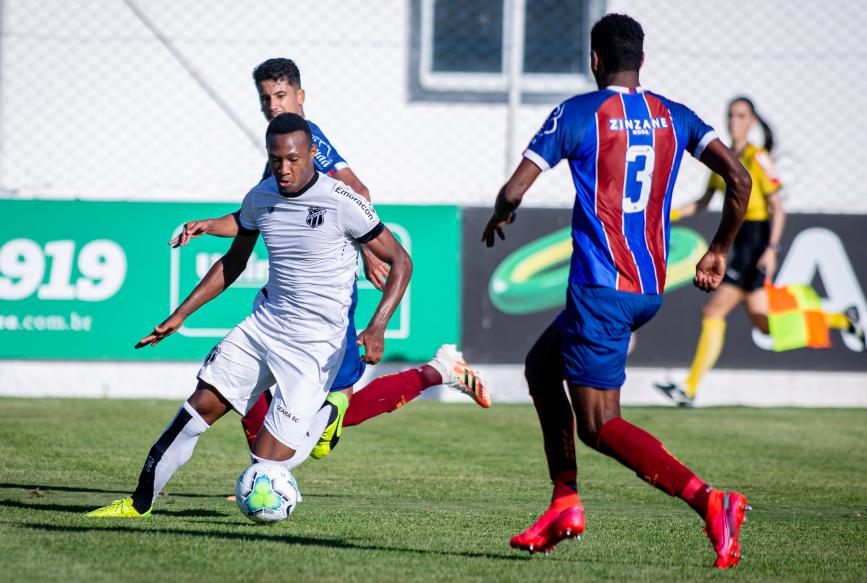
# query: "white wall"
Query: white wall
{"points": [[91, 106]]}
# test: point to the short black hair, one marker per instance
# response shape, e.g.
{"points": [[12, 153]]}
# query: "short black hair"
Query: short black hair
{"points": [[288, 123], [619, 41], [277, 69]]}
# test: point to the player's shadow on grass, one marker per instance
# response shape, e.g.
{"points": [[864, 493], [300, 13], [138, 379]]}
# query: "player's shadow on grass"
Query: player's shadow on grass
{"points": [[96, 490], [285, 538], [81, 509]]}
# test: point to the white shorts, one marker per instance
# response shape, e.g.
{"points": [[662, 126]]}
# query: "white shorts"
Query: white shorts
{"points": [[248, 361]]}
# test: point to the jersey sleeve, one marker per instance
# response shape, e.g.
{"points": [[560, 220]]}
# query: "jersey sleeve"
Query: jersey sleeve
{"points": [[694, 132], [327, 159], [764, 173], [563, 134], [356, 216], [555, 140], [247, 217]]}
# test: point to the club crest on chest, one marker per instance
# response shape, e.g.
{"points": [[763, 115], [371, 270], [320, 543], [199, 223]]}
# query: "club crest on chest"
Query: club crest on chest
{"points": [[315, 216]]}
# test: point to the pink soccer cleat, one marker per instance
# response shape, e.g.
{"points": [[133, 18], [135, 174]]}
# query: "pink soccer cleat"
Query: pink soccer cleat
{"points": [[725, 514], [551, 528]]}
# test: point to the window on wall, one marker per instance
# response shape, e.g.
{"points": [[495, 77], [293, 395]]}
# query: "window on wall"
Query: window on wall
{"points": [[461, 47]]}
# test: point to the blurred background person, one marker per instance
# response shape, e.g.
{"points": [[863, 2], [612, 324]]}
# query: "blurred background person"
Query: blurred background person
{"points": [[753, 259]]}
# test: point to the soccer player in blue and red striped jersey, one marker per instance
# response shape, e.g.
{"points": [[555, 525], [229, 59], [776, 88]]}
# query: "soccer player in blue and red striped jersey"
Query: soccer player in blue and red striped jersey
{"points": [[624, 146]]}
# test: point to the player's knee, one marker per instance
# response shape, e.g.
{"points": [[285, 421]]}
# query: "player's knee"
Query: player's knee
{"points": [[711, 311], [208, 402], [588, 433], [589, 423]]}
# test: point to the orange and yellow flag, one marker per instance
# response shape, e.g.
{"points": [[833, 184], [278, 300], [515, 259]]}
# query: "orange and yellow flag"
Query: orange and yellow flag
{"points": [[795, 317]]}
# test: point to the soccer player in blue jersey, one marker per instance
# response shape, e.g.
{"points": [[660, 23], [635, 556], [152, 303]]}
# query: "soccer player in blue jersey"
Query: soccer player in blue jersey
{"points": [[624, 146], [278, 83]]}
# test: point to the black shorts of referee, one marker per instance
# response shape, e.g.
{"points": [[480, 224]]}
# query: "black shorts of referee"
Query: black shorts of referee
{"points": [[751, 242]]}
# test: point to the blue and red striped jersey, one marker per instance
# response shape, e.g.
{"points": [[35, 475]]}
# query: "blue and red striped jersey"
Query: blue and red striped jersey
{"points": [[624, 147]]}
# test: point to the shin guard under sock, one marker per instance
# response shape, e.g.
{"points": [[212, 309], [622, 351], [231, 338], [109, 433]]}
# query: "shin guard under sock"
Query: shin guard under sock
{"points": [[647, 457], [172, 450], [389, 392]]}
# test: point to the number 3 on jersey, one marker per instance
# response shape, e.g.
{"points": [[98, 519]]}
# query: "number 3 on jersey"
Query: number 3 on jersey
{"points": [[639, 176]]}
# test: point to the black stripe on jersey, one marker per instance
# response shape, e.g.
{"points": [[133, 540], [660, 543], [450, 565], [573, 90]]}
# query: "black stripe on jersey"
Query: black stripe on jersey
{"points": [[303, 189], [372, 234], [144, 492]]}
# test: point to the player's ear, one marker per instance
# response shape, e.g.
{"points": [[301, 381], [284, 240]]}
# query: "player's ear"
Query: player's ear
{"points": [[313, 150], [594, 61], [299, 96], [642, 60]]}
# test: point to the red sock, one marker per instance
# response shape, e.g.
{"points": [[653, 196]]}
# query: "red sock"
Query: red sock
{"points": [[565, 491], [646, 456], [390, 392], [253, 421]]}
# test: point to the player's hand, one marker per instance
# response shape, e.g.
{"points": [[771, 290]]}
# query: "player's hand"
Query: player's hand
{"points": [[165, 329], [496, 226], [191, 230], [768, 263], [372, 339], [710, 270], [375, 269]]}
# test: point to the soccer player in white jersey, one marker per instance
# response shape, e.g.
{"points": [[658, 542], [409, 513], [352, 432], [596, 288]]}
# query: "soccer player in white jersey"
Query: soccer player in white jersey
{"points": [[312, 226], [278, 84]]}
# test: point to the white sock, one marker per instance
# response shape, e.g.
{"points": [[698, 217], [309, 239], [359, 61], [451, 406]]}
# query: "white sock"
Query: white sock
{"points": [[172, 449], [314, 432]]}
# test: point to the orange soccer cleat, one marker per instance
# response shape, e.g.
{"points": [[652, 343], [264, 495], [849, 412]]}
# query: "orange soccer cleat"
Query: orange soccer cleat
{"points": [[725, 514], [552, 527]]}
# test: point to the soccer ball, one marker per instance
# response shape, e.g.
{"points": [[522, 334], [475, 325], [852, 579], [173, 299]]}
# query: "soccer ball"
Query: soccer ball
{"points": [[267, 492]]}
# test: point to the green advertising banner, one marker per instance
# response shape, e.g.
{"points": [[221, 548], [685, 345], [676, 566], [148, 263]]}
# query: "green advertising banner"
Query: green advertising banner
{"points": [[85, 280]]}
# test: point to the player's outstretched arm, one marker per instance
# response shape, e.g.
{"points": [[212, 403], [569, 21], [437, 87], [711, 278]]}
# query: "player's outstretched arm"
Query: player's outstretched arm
{"points": [[508, 199], [225, 226], [387, 249], [711, 268], [768, 260], [221, 275]]}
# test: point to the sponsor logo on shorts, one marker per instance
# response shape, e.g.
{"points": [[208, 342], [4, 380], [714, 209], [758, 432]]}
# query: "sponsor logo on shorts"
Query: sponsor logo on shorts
{"points": [[212, 355], [315, 216], [149, 464], [286, 413]]}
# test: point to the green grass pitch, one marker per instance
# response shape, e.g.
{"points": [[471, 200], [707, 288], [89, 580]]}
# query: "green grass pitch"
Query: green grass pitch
{"points": [[432, 492]]}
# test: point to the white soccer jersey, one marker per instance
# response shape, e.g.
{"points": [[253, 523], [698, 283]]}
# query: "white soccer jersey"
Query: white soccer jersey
{"points": [[312, 238]]}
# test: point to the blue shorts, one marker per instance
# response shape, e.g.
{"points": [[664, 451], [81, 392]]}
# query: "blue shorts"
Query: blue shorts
{"points": [[595, 329], [352, 367]]}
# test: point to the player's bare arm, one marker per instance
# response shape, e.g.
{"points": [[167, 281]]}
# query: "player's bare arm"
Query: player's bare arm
{"points": [[221, 275], [777, 218], [712, 266], [508, 199], [387, 249], [225, 226]]}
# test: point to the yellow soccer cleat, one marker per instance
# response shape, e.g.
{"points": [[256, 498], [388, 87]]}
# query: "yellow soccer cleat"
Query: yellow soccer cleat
{"points": [[339, 403], [118, 509]]}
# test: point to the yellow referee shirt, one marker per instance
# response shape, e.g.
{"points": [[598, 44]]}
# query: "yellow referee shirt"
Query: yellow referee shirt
{"points": [[765, 181]]}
